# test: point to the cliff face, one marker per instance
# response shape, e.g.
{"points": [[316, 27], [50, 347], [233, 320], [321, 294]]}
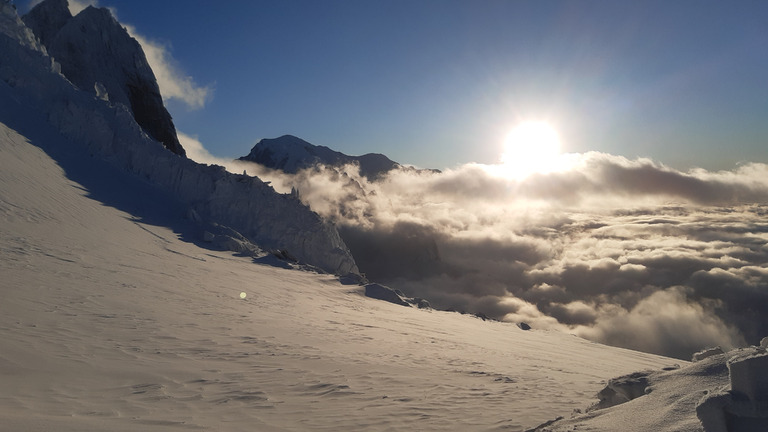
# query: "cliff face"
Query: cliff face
{"points": [[99, 56], [111, 131], [47, 18]]}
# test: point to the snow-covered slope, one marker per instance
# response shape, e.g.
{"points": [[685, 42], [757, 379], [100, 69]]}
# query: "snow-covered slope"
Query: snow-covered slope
{"points": [[291, 154], [665, 400], [109, 321], [99, 56], [109, 131]]}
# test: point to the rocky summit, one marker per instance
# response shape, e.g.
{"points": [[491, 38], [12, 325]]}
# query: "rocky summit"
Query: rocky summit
{"points": [[98, 55]]}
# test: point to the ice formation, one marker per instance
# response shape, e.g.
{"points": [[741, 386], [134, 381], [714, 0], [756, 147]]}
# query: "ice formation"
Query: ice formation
{"points": [[743, 407], [99, 56], [109, 130]]}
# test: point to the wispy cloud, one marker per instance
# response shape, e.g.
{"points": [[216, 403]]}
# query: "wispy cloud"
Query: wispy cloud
{"points": [[174, 83]]}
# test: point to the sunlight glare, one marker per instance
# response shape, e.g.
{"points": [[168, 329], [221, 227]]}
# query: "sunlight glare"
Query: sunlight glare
{"points": [[531, 147]]}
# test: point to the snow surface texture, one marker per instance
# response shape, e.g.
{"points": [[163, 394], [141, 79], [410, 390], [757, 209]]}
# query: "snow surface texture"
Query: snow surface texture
{"points": [[727, 391], [97, 55], [246, 204], [111, 322], [291, 154]]}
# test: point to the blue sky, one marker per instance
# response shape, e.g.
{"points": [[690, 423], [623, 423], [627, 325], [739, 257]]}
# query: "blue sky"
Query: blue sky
{"points": [[440, 83]]}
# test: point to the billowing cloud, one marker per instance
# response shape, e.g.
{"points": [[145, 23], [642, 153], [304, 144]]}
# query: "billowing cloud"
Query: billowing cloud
{"points": [[75, 6], [626, 252], [665, 321], [173, 82]]}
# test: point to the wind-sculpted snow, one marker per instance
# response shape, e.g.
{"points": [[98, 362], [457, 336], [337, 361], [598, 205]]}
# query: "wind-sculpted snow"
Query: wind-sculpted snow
{"points": [[244, 203], [663, 400]]}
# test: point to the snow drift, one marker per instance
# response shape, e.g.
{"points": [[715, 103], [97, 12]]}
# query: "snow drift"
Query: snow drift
{"points": [[727, 391]]}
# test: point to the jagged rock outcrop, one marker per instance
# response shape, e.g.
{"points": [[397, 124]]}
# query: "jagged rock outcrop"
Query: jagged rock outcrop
{"points": [[99, 56], [245, 204], [382, 292], [291, 154], [47, 18]]}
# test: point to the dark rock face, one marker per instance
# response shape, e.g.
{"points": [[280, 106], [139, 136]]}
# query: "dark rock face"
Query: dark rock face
{"points": [[96, 52], [292, 154], [381, 292], [47, 18], [150, 113]]}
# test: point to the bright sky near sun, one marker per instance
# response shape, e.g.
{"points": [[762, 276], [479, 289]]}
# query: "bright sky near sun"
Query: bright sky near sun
{"points": [[438, 83]]}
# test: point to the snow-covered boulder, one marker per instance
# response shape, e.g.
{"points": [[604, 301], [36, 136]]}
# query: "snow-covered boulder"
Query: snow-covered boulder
{"points": [[385, 293], [99, 56], [622, 389], [709, 352]]}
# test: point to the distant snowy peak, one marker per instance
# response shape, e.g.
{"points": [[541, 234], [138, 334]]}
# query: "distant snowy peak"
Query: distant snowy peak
{"points": [[291, 154], [99, 56]]}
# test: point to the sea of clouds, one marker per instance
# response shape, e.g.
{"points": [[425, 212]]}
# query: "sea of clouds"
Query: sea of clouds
{"points": [[626, 252]]}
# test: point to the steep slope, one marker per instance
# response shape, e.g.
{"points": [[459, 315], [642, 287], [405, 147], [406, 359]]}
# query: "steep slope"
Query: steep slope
{"points": [[109, 322], [209, 193], [99, 56], [291, 154]]}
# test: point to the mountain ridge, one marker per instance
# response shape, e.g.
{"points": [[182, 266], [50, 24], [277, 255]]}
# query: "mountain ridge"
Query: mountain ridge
{"points": [[291, 154], [108, 130], [98, 55]]}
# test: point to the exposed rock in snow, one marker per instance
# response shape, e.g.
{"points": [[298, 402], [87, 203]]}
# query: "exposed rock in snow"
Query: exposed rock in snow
{"points": [[291, 154], [385, 293], [709, 352], [622, 389], [381, 292], [224, 238], [419, 302], [96, 53], [47, 18], [246, 204]]}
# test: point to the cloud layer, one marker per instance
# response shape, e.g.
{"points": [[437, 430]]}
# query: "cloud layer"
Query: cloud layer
{"points": [[626, 252]]}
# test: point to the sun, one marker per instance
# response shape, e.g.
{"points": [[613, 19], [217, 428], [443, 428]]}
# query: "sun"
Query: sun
{"points": [[531, 147]]}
